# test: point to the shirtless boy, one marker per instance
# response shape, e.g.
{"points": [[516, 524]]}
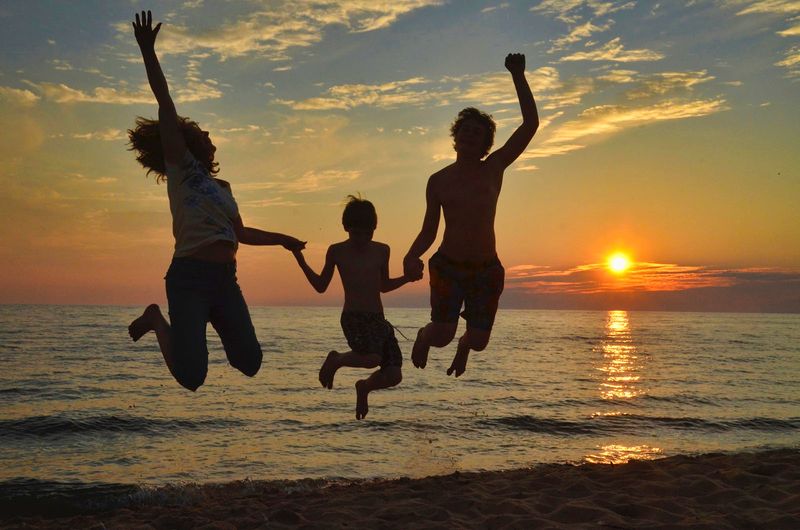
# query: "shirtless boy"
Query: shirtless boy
{"points": [[364, 269], [466, 269]]}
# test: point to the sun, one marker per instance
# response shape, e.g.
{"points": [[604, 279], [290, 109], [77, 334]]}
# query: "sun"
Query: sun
{"points": [[619, 263]]}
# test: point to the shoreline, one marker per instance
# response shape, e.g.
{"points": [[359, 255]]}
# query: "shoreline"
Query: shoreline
{"points": [[715, 490]]}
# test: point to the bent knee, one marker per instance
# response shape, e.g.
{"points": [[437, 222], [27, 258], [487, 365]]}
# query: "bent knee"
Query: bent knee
{"points": [[441, 334], [248, 366], [191, 381], [477, 341]]}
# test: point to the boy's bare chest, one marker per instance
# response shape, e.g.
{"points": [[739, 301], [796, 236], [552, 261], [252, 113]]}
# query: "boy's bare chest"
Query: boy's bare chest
{"points": [[469, 192]]}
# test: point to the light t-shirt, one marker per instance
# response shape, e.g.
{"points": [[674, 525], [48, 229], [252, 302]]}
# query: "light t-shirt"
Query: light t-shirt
{"points": [[202, 210]]}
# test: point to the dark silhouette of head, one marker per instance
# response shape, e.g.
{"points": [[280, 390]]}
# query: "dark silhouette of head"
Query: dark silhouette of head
{"points": [[359, 219], [468, 121], [145, 139]]}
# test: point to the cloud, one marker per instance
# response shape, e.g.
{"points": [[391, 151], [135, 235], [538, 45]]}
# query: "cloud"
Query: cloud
{"points": [[570, 11], [606, 119], [387, 95], [794, 31], [766, 6], [643, 276], [614, 51], [792, 58], [489, 90], [106, 135], [61, 93], [489, 9], [577, 34], [18, 96], [310, 181], [661, 83], [602, 121], [287, 24]]}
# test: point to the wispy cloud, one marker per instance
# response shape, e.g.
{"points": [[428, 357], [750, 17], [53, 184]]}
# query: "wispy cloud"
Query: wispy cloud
{"points": [[18, 96], [595, 278], [489, 9], [613, 50], [287, 24], [61, 93], [308, 182], [106, 135], [571, 11], [577, 34], [661, 83], [348, 96]]}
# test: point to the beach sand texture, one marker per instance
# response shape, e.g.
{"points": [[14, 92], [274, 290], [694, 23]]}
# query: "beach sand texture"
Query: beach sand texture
{"points": [[713, 491]]}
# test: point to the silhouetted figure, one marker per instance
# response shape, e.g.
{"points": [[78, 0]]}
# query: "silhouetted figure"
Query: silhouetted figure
{"points": [[363, 266], [201, 280], [466, 269]]}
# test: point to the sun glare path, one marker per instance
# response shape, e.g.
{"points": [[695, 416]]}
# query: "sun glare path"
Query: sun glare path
{"points": [[619, 263]]}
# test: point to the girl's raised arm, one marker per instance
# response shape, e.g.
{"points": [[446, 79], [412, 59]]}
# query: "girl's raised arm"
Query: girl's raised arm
{"points": [[172, 141]]}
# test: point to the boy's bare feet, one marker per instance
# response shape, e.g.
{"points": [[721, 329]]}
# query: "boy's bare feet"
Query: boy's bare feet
{"points": [[328, 369], [145, 323], [419, 353], [459, 364], [362, 405]]}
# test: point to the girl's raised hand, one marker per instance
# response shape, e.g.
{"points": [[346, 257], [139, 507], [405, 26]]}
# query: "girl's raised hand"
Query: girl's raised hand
{"points": [[144, 31]]}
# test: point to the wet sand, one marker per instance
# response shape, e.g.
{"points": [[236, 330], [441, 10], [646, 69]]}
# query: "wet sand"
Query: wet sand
{"points": [[713, 491]]}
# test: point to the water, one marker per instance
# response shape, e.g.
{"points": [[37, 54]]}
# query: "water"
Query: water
{"points": [[82, 406]]}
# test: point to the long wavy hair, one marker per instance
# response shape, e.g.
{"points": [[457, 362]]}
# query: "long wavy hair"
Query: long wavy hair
{"points": [[145, 139], [471, 113]]}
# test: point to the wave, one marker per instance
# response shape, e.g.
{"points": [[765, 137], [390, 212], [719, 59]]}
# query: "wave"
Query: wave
{"points": [[60, 425], [21, 497], [630, 423]]}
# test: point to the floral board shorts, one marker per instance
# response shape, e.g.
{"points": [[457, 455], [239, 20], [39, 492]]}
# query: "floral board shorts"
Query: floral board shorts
{"points": [[369, 333], [477, 286]]}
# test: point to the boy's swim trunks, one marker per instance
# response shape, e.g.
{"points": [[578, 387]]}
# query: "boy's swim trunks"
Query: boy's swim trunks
{"points": [[477, 285], [369, 333]]}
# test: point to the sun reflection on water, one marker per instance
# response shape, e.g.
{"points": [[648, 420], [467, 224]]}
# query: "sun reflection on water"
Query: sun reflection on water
{"points": [[621, 364], [620, 454]]}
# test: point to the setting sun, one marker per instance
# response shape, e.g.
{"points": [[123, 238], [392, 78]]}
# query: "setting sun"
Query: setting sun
{"points": [[619, 263]]}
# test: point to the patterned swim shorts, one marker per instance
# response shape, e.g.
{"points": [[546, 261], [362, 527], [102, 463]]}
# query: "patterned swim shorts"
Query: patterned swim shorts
{"points": [[477, 285], [370, 333]]}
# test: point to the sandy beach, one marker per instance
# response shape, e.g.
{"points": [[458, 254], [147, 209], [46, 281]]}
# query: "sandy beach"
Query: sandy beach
{"points": [[713, 491]]}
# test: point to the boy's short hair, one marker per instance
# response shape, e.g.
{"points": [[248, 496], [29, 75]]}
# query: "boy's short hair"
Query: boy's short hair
{"points": [[471, 113], [359, 213]]}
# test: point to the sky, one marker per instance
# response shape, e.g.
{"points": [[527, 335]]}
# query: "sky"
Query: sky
{"points": [[669, 132]]}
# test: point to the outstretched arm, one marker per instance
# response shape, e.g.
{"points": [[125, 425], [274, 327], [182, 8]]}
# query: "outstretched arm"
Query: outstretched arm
{"points": [[172, 141], [412, 265], [253, 236], [390, 284], [319, 282], [506, 155]]}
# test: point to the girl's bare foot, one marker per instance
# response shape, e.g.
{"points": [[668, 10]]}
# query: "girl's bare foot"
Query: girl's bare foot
{"points": [[328, 369], [419, 353], [145, 323], [362, 405]]}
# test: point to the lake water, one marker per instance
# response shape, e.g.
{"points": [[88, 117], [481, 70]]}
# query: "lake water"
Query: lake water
{"points": [[80, 404]]}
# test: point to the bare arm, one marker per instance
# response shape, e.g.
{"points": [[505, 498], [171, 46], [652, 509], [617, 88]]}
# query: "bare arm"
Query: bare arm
{"points": [[390, 284], [172, 141], [319, 282], [412, 265], [516, 145], [253, 236]]}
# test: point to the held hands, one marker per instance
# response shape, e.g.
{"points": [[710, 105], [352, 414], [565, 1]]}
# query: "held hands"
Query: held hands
{"points": [[515, 63], [293, 245], [144, 32], [412, 268]]}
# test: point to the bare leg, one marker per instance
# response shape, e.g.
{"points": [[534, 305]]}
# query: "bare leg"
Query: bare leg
{"points": [[473, 339], [153, 320], [391, 376], [437, 334], [336, 360]]}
